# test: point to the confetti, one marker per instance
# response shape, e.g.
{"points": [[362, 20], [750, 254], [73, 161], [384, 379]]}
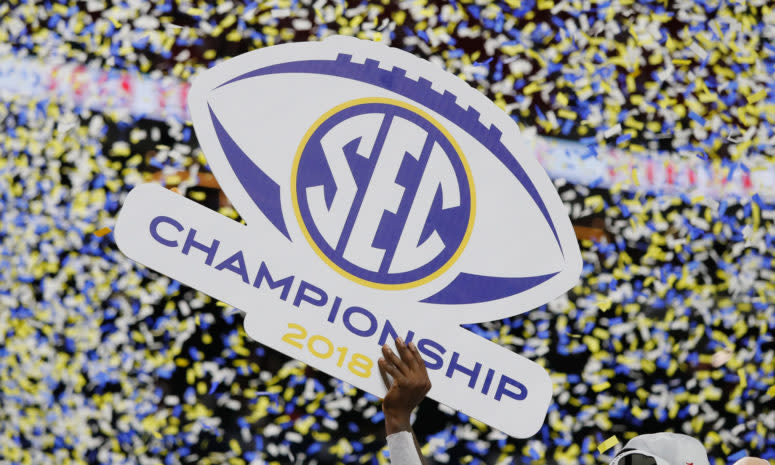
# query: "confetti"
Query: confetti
{"points": [[698, 50], [607, 444], [721, 357], [102, 232], [758, 96], [604, 303], [601, 387], [612, 131]]}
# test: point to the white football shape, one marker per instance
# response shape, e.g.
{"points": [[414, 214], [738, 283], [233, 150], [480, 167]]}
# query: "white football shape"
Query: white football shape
{"points": [[389, 176]]}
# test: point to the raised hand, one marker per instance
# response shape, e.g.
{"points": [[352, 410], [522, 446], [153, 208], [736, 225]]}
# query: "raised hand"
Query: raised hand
{"points": [[409, 386]]}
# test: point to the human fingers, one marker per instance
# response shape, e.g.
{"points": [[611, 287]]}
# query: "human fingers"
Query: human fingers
{"points": [[406, 355], [391, 357], [383, 372], [421, 370], [415, 353], [386, 367]]}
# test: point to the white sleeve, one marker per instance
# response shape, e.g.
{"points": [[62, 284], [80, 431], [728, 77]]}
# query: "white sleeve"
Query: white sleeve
{"points": [[402, 450]]}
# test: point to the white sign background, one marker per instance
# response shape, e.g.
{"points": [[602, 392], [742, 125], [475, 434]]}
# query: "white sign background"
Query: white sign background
{"points": [[267, 116]]}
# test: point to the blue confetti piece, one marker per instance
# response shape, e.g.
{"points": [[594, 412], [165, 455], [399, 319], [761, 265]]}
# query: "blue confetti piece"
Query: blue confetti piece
{"points": [[214, 386]]}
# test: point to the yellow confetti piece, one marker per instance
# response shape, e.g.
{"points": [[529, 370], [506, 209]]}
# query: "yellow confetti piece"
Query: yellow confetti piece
{"points": [[601, 386], [60, 9], [567, 114], [198, 195], [235, 447], [607, 444], [102, 232], [121, 150], [532, 88], [545, 4], [757, 96], [771, 391], [174, 179]]}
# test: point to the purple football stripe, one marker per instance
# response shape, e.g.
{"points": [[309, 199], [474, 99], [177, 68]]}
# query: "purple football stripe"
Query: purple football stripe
{"points": [[262, 189], [472, 288]]}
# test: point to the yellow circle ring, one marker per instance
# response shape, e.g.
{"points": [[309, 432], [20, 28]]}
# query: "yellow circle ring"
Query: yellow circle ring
{"points": [[323, 256]]}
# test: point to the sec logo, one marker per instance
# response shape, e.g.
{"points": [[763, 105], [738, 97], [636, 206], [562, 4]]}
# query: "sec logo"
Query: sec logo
{"points": [[383, 193]]}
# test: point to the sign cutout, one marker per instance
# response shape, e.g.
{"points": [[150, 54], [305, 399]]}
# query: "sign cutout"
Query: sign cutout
{"points": [[383, 197]]}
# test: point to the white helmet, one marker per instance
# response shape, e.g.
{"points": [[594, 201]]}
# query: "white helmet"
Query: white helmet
{"points": [[662, 449]]}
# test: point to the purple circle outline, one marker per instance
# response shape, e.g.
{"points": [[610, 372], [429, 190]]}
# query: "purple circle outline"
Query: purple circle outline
{"points": [[451, 224]]}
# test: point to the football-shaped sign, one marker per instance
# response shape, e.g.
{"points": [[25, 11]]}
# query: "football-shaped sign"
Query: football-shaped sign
{"points": [[383, 197]]}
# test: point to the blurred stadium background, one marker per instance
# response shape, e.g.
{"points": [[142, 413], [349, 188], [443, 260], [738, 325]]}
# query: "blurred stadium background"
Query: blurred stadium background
{"points": [[656, 121]]}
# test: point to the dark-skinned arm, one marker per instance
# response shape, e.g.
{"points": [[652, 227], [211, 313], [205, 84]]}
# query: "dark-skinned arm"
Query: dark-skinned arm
{"points": [[409, 386]]}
